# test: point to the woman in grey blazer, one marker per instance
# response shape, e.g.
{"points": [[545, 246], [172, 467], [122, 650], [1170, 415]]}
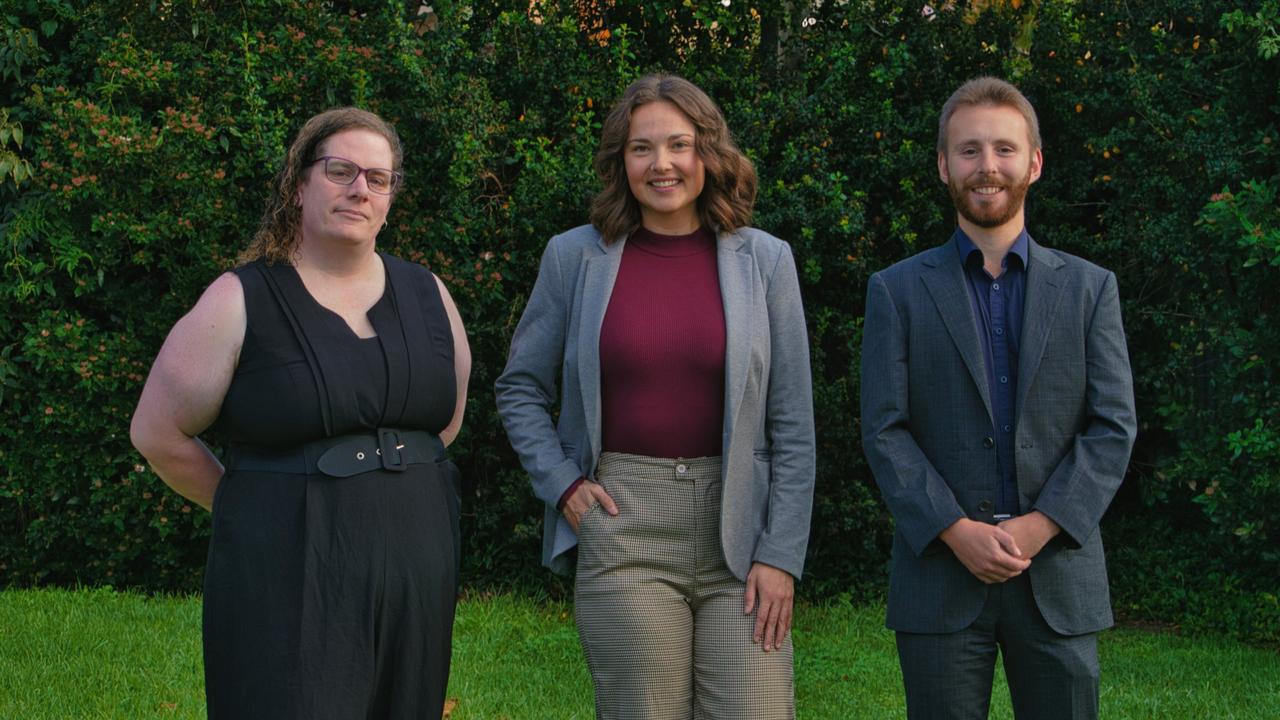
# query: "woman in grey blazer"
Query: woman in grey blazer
{"points": [[681, 460]]}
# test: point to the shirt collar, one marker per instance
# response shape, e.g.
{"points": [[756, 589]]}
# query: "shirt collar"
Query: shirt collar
{"points": [[1021, 247]]}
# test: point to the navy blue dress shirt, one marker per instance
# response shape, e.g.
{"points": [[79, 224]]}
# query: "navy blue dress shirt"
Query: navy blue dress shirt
{"points": [[997, 310]]}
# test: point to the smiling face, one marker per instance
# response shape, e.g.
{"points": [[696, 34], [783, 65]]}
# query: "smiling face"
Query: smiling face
{"points": [[346, 214], [988, 164], [664, 171]]}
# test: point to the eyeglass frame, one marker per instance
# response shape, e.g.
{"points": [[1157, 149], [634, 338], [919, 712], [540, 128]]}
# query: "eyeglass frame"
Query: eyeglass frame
{"points": [[396, 176]]}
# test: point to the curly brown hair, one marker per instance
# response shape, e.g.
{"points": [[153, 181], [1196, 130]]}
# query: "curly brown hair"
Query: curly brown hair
{"points": [[278, 236], [729, 193]]}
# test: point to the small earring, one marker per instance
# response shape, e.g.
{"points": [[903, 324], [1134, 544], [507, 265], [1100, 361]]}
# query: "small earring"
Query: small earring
{"points": [[384, 224]]}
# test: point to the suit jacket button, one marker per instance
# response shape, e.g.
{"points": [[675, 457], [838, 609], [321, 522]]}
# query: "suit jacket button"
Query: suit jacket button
{"points": [[988, 443], [985, 506]]}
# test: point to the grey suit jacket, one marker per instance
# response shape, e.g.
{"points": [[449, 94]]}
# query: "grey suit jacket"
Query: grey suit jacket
{"points": [[768, 455], [927, 426]]}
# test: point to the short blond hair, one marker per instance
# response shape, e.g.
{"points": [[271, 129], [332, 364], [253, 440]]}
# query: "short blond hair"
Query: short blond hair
{"points": [[991, 92]]}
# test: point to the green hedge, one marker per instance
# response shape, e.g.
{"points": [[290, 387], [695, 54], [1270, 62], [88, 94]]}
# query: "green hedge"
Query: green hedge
{"points": [[137, 141]]}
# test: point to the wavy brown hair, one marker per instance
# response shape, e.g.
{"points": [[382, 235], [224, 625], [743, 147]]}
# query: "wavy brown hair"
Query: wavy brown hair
{"points": [[729, 192], [279, 233], [990, 92]]}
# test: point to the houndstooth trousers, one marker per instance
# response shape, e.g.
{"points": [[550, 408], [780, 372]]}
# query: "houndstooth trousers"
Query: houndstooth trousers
{"points": [[658, 612]]}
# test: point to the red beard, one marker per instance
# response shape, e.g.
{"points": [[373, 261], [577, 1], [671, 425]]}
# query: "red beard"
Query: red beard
{"points": [[993, 213]]}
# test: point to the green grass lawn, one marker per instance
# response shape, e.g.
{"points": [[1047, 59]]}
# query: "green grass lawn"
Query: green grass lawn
{"points": [[102, 654]]}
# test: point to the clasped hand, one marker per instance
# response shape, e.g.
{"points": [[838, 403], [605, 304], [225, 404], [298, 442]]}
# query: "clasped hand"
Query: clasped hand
{"points": [[996, 553]]}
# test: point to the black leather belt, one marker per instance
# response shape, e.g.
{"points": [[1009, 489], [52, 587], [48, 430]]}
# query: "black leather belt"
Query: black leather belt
{"points": [[344, 455]]}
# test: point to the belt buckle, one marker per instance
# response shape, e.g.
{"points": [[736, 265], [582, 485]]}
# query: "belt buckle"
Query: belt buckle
{"points": [[389, 447]]}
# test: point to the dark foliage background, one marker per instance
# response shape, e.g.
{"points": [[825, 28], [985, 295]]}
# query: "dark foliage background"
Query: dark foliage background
{"points": [[137, 141]]}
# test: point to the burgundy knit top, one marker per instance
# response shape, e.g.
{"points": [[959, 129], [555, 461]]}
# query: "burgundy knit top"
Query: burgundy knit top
{"points": [[662, 348]]}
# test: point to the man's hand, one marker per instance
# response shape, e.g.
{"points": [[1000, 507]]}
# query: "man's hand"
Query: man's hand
{"points": [[771, 593], [989, 552], [587, 494], [1031, 531]]}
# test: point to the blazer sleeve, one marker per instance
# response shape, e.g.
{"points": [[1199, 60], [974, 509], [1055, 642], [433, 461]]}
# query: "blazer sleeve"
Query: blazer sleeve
{"points": [[919, 499], [1078, 491], [788, 424], [528, 388]]}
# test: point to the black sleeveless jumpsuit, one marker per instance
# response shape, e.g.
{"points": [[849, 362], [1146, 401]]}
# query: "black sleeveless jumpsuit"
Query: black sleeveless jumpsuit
{"points": [[333, 597]]}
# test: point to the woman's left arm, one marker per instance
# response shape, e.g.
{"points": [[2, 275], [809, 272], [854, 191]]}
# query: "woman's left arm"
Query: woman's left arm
{"points": [[780, 552], [788, 423], [461, 364]]}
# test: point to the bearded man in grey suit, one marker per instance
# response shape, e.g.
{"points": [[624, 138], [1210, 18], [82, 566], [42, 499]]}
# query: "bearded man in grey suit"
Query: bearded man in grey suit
{"points": [[998, 418]]}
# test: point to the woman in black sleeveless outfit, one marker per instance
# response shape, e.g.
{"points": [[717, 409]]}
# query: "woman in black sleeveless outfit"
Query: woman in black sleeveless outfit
{"points": [[338, 375]]}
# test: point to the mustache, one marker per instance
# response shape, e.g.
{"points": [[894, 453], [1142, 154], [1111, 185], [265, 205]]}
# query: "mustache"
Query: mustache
{"points": [[989, 181]]}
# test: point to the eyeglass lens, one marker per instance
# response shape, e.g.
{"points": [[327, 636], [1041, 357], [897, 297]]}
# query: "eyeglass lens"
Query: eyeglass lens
{"points": [[345, 172]]}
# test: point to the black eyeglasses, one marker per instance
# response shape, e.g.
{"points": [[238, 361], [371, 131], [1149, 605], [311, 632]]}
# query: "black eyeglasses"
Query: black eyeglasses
{"points": [[344, 172]]}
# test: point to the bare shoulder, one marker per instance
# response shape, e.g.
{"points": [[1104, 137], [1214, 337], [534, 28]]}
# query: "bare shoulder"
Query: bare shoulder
{"points": [[218, 319], [451, 310], [224, 298], [195, 366], [461, 346], [444, 289]]}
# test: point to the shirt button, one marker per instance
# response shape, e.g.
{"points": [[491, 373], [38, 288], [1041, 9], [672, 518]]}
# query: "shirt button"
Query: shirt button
{"points": [[995, 286], [999, 331], [1007, 428], [1004, 378], [985, 506], [682, 468]]}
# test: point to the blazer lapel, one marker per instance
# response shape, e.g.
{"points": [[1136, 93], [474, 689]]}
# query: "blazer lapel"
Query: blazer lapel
{"points": [[946, 285], [1044, 293], [599, 273], [737, 292]]}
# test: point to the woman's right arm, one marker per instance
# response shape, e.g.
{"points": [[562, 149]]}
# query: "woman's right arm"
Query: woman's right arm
{"points": [[529, 386], [184, 391]]}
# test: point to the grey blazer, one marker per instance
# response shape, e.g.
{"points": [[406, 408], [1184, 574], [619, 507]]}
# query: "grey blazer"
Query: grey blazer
{"points": [[927, 427], [768, 455]]}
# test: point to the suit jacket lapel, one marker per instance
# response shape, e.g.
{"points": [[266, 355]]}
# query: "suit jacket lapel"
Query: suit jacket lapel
{"points": [[946, 285], [1044, 293], [599, 273], [737, 292]]}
